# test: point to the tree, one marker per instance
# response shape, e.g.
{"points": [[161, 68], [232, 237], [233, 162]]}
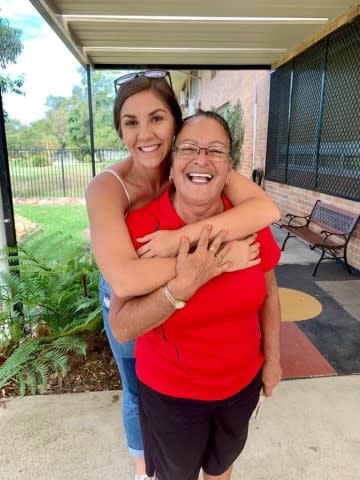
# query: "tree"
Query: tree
{"points": [[66, 123], [103, 98], [36, 135], [57, 115], [77, 131], [10, 49]]}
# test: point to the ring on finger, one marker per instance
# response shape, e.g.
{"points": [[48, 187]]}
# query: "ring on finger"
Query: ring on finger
{"points": [[213, 250]]}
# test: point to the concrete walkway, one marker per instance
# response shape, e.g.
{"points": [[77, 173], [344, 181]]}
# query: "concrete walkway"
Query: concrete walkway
{"points": [[309, 430]]}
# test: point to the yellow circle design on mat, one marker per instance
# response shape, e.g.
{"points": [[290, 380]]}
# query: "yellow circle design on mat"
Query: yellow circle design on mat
{"points": [[297, 305]]}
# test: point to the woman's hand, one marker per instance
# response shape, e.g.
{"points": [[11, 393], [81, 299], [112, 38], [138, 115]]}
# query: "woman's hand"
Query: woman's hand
{"points": [[271, 376], [240, 254], [162, 243], [195, 269]]}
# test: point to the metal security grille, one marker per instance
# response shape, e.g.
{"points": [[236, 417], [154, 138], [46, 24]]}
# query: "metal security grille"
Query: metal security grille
{"points": [[304, 121], [279, 124], [321, 150]]}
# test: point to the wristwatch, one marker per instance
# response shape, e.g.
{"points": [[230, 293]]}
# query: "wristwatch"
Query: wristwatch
{"points": [[177, 304]]}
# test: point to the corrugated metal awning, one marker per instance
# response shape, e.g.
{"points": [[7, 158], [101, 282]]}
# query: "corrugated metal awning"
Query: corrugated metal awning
{"points": [[107, 34]]}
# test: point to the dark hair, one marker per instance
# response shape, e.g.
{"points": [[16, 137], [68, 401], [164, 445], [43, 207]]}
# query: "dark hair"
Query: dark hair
{"points": [[215, 116], [159, 86]]}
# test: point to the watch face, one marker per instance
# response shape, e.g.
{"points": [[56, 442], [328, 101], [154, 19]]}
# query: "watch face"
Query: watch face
{"points": [[179, 304]]}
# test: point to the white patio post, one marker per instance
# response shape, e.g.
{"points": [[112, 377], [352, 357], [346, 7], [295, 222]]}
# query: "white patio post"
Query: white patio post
{"points": [[4, 266]]}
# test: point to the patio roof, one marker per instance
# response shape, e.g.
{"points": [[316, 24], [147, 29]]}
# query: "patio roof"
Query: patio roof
{"points": [[203, 33]]}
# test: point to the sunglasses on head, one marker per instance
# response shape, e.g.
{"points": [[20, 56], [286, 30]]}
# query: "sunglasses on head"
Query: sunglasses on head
{"points": [[152, 74]]}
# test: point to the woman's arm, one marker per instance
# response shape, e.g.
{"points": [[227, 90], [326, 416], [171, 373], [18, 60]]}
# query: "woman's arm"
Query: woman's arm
{"points": [[113, 249], [253, 210], [127, 318], [112, 246], [270, 318]]}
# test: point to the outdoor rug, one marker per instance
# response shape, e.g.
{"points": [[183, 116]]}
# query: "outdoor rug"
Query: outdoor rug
{"points": [[318, 336]]}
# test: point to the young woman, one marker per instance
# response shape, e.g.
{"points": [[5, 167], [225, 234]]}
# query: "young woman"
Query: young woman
{"points": [[147, 117]]}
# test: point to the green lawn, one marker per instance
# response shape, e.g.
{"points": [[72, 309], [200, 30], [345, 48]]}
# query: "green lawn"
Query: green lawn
{"points": [[62, 229]]}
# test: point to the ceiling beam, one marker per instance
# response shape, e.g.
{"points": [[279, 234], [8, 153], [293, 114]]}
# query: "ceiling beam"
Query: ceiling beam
{"points": [[154, 19], [46, 9], [253, 8], [339, 22]]}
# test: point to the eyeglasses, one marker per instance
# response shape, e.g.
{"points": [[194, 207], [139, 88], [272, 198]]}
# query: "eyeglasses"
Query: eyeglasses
{"points": [[192, 150], [152, 74]]}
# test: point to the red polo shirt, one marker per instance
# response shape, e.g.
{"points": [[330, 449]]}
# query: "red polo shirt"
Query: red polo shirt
{"points": [[210, 349]]}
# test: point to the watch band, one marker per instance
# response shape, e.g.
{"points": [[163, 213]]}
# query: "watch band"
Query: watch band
{"points": [[177, 304]]}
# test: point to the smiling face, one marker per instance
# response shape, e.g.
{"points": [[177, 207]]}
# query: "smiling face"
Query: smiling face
{"points": [[147, 127], [198, 178]]}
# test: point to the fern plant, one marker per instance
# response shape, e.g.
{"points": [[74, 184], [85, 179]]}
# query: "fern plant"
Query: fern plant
{"points": [[46, 308], [33, 360]]}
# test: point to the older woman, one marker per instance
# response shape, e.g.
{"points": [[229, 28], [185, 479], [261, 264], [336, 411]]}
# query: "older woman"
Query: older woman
{"points": [[146, 117], [209, 338]]}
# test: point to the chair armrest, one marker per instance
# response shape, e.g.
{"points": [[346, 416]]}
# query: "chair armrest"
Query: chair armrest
{"points": [[297, 217], [328, 234]]}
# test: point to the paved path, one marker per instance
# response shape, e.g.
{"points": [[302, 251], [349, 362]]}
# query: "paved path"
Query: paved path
{"points": [[309, 430]]}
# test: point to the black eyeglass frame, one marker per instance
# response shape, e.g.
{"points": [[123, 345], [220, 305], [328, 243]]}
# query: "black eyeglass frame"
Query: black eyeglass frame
{"points": [[151, 74], [197, 149]]}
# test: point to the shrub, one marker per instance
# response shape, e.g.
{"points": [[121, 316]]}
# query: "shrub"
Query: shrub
{"points": [[39, 161], [47, 308], [233, 114], [87, 158]]}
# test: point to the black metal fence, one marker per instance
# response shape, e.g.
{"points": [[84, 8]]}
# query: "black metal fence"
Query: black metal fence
{"points": [[44, 173], [314, 117]]}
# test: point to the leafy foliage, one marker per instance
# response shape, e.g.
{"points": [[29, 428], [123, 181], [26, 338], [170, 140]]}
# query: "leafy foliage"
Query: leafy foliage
{"points": [[9, 84], [10, 49], [10, 41], [77, 129], [233, 114], [38, 134], [35, 359], [67, 119], [39, 161], [57, 115], [47, 307]]}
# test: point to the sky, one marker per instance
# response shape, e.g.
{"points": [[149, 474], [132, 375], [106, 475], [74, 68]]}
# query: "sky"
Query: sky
{"points": [[47, 65]]}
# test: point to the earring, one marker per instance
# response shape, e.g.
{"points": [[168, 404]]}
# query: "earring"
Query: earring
{"points": [[170, 179]]}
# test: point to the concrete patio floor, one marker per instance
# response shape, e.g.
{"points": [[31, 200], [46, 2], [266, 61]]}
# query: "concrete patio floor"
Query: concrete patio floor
{"points": [[308, 430]]}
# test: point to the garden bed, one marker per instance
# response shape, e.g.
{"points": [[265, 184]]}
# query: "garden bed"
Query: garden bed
{"points": [[95, 372]]}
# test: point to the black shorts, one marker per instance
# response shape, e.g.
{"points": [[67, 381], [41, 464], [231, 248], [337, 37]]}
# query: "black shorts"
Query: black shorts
{"points": [[182, 436]]}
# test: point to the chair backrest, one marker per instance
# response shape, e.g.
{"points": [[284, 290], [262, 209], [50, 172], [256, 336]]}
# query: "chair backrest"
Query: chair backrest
{"points": [[333, 219]]}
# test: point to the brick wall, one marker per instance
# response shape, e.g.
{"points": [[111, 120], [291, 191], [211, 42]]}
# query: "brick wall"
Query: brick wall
{"points": [[252, 89], [300, 202]]}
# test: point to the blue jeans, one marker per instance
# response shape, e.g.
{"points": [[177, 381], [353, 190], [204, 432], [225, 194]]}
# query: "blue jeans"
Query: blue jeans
{"points": [[125, 360]]}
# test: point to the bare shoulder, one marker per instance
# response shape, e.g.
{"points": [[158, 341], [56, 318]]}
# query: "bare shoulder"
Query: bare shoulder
{"points": [[104, 181], [105, 190]]}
